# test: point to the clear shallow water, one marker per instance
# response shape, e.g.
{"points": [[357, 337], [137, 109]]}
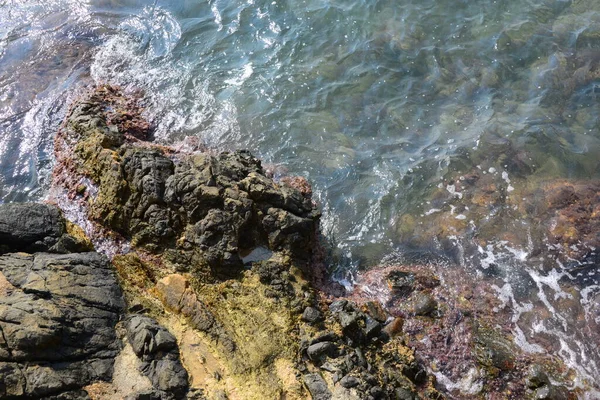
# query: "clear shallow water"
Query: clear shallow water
{"points": [[373, 101]]}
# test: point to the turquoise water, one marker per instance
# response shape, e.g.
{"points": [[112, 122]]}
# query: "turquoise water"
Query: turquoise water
{"points": [[373, 101]]}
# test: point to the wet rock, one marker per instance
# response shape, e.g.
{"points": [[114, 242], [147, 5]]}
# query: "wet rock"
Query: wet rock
{"points": [[320, 350], [494, 350], [204, 210], [311, 315], [401, 282], [423, 304], [158, 350], [317, 387], [375, 310], [551, 392], [537, 377], [57, 323]]}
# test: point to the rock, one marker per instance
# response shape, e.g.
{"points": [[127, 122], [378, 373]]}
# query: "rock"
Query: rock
{"points": [[146, 395], [177, 295], [320, 350], [551, 392], [394, 328], [35, 227], [349, 381], [375, 310], [537, 377], [401, 283], [494, 350], [317, 387], [423, 304], [372, 328], [324, 337], [311, 315], [351, 325], [205, 210], [403, 394], [30, 227], [57, 323], [338, 305], [159, 353]]}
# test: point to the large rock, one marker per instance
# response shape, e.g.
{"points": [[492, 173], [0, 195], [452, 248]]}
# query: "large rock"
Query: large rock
{"points": [[35, 227], [203, 212], [57, 323]]}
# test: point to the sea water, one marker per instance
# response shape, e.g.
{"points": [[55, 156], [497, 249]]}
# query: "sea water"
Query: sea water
{"points": [[376, 102]]}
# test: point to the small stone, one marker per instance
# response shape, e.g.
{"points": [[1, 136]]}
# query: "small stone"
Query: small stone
{"points": [[423, 304], [551, 392], [403, 394], [322, 349], [375, 310], [537, 377], [325, 336], [311, 315], [402, 283], [348, 319], [317, 387], [373, 328], [351, 327], [80, 190], [338, 305], [394, 328], [349, 382], [329, 367]]}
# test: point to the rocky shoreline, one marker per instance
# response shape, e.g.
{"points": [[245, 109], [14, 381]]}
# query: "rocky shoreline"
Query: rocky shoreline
{"points": [[208, 282]]}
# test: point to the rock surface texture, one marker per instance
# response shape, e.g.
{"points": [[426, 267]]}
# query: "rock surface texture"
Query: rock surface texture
{"points": [[57, 311]]}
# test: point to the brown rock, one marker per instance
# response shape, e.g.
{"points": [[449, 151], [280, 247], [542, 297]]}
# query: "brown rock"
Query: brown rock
{"points": [[394, 328]]}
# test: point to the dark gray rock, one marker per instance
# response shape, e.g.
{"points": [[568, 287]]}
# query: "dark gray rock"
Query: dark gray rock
{"points": [[349, 381], [351, 328], [34, 227], [402, 283], [57, 323], [325, 336], [536, 377], [30, 227], [372, 327], [317, 387], [311, 315], [146, 395], [158, 350], [338, 305], [322, 349]]}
